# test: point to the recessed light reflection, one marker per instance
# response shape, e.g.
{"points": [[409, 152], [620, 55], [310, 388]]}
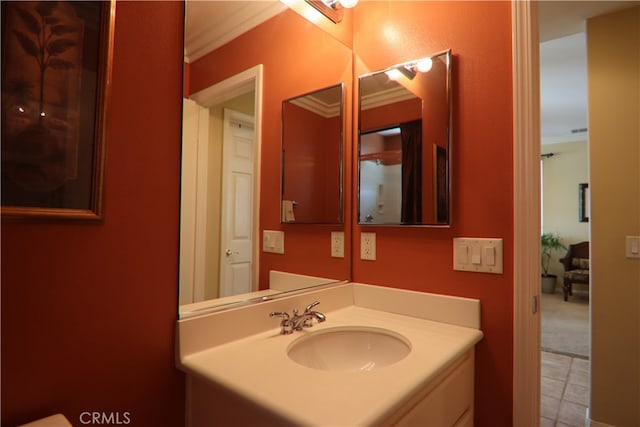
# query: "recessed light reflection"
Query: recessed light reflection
{"points": [[424, 65], [390, 33], [393, 74]]}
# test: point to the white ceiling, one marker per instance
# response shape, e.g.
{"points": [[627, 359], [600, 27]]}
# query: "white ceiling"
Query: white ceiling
{"points": [[563, 65], [563, 77]]}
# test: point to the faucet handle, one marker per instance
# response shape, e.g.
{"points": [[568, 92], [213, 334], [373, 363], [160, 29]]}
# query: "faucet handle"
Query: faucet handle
{"points": [[283, 314], [310, 306], [285, 324]]}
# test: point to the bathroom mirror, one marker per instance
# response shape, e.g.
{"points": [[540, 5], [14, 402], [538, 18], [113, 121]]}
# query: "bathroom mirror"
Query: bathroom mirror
{"points": [[312, 146], [232, 86], [404, 164]]}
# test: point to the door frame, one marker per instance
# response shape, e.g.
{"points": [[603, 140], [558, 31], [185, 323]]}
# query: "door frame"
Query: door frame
{"points": [[236, 85], [526, 207]]}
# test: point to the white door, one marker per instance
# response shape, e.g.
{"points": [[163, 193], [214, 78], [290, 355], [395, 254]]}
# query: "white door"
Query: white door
{"points": [[195, 139], [236, 254]]}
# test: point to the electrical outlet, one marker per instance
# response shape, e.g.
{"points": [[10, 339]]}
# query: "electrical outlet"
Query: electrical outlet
{"points": [[337, 244], [368, 246]]}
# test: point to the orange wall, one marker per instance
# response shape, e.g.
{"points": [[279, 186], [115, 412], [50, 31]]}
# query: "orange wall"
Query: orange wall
{"points": [[391, 114], [479, 34], [319, 61], [312, 167], [88, 311]]}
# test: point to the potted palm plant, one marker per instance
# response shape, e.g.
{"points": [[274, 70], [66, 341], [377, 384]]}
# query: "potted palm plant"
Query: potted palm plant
{"points": [[549, 243]]}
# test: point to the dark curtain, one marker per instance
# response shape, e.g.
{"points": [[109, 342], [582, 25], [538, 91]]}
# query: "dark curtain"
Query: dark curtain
{"points": [[411, 135]]}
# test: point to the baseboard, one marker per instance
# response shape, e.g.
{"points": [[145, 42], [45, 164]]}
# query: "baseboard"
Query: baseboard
{"points": [[592, 423]]}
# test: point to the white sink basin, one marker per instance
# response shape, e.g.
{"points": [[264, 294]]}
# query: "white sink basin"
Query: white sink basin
{"points": [[348, 348]]}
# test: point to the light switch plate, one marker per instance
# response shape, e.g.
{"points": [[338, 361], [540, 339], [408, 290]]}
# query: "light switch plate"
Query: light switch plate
{"points": [[273, 241], [477, 255], [632, 246]]}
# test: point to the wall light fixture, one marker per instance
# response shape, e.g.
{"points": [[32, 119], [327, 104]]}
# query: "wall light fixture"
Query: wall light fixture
{"points": [[332, 9], [409, 69]]}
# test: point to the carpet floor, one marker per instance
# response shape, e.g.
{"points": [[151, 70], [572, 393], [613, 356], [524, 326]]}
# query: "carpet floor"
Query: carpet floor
{"points": [[565, 324]]}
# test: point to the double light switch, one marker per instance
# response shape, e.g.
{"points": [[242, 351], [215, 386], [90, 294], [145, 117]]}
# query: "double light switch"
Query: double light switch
{"points": [[480, 255]]}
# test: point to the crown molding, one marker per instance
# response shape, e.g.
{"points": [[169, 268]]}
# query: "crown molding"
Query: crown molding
{"points": [[203, 40]]}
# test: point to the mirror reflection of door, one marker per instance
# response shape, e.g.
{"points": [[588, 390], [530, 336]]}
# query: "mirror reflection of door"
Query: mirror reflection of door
{"points": [[238, 168], [209, 230]]}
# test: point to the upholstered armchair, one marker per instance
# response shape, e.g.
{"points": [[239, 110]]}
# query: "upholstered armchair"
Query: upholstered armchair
{"points": [[576, 267]]}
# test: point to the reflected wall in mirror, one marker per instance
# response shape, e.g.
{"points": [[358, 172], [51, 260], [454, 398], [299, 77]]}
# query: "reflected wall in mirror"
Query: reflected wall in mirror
{"points": [[405, 144], [226, 45], [312, 147]]}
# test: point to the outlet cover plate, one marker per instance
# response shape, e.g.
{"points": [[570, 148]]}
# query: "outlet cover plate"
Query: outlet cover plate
{"points": [[337, 244], [368, 246]]}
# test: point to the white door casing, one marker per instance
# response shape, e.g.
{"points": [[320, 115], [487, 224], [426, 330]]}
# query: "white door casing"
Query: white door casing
{"points": [[193, 200], [526, 201]]}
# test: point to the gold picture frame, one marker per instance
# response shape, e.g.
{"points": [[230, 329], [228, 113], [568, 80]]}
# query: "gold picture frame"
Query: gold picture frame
{"points": [[56, 77]]}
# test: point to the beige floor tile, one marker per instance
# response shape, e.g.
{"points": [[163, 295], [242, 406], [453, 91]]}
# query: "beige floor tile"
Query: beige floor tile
{"points": [[578, 378], [580, 365], [552, 388], [572, 414], [556, 358], [550, 407], [576, 394], [555, 370], [547, 422]]}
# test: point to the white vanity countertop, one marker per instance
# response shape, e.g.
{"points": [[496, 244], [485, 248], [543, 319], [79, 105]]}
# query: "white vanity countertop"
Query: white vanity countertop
{"points": [[258, 368]]}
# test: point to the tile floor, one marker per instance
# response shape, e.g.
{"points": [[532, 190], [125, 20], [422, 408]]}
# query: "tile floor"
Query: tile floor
{"points": [[565, 390]]}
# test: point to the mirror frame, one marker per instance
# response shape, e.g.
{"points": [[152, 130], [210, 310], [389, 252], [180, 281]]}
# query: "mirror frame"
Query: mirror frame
{"points": [[449, 174]]}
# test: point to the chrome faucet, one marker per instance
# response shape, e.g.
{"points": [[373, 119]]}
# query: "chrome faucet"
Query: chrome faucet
{"points": [[298, 321]]}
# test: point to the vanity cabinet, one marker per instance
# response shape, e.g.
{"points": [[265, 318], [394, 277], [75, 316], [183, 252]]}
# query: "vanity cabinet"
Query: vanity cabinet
{"points": [[209, 404], [248, 375], [445, 401]]}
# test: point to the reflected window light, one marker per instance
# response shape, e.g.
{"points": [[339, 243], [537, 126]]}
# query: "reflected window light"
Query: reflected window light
{"points": [[42, 114], [20, 110]]}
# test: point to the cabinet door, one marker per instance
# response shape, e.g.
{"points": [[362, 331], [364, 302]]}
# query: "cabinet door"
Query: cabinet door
{"points": [[449, 403]]}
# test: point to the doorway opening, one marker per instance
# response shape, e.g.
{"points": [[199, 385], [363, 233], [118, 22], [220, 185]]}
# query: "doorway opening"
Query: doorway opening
{"points": [[210, 253], [565, 313]]}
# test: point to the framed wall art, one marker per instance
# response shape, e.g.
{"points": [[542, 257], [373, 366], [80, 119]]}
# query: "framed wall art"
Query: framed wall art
{"points": [[56, 73], [584, 202]]}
